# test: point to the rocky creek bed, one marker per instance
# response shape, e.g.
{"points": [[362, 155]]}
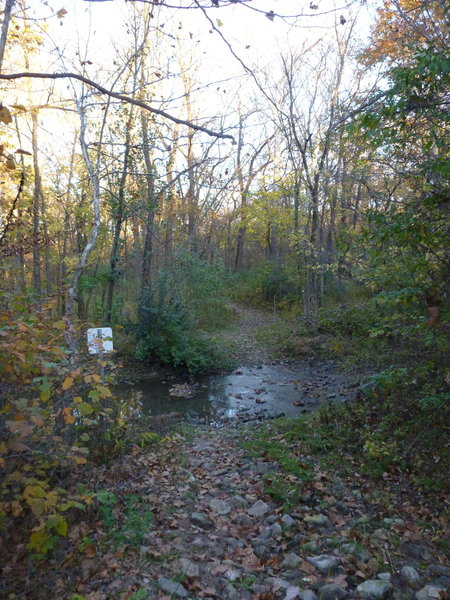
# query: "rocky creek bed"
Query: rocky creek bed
{"points": [[215, 533]]}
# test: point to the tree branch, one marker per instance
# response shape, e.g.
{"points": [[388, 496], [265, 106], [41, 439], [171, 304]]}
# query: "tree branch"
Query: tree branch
{"points": [[123, 97]]}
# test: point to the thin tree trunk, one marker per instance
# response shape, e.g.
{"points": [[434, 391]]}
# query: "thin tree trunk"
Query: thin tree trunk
{"points": [[114, 257], [37, 282], [5, 26]]}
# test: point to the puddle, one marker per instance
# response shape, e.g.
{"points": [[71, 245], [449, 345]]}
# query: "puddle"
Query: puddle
{"points": [[248, 393]]}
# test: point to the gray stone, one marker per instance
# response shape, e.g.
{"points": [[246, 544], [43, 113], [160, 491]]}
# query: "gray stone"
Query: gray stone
{"points": [[308, 595], [277, 583], [384, 576], [188, 568], [229, 592], [237, 501], [312, 546], [172, 587], [287, 521], [232, 574], [410, 576], [201, 520], [292, 561], [331, 591], [258, 509], [357, 550], [220, 507], [276, 530], [265, 534], [243, 520], [324, 563], [317, 521], [431, 592], [388, 521], [374, 589]]}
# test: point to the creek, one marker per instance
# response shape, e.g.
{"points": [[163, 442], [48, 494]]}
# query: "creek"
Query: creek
{"points": [[247, 393]]}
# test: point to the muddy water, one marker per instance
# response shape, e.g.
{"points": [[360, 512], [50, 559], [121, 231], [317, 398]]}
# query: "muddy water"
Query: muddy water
{"points": [[248, 393]]}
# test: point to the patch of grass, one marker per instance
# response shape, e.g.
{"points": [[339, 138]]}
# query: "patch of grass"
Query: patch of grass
{"points": [[129, 524]]}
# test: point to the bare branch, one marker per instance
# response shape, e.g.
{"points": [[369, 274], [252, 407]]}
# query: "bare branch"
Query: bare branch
{"points": [[123, 97]]}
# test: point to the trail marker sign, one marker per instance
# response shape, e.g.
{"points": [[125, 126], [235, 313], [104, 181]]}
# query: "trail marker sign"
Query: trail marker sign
{"points": [[100, 340]]}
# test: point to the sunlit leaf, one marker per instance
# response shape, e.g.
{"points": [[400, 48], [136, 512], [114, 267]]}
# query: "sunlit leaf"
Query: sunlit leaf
{"points": [[68, 382], [20, 151], [10, 162], [5, 115]]}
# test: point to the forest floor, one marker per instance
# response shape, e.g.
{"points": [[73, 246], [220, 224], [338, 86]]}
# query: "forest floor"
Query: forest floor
{"points": [[209, 513]]}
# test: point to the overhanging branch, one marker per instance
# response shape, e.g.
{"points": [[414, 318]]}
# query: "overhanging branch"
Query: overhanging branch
{"points": [[123, 97]]}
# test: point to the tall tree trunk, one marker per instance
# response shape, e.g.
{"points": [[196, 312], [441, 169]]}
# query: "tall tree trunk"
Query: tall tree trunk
{"points": [[37, 282], [120, 214], [5, 26], [147, 260]]}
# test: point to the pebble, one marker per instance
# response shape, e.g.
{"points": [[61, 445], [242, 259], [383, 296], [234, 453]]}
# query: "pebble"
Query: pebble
{"points": [[292, 561], [220, 507], [188, 568], [201, 520], [243, 520], [317, 521], [172, 587], [410, 576], [431, 592], [308, 595], [324, 563], [384, 576], [258, 509], [374, 589], [287, 521], [357, 550], [331, 591], [237, 501]]}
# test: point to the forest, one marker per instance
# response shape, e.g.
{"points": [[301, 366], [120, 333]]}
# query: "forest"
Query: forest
{"points": [[242, 191]]}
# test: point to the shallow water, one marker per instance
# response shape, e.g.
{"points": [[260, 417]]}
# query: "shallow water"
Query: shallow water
{"points": [[247, 393]]}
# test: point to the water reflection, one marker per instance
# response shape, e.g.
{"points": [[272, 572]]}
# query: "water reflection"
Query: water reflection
{"points": [[259, 391]]}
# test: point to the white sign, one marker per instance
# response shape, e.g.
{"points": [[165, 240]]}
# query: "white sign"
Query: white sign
{"points": [[100, 340]]}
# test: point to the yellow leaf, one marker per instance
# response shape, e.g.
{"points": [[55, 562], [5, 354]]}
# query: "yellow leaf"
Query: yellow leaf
{"points": [[75, 373], [96, 378], [18, 107], [5, 115], [80, 460], [69, 418], [78, 399], [10, 162], [68, 381], [59, 325]]}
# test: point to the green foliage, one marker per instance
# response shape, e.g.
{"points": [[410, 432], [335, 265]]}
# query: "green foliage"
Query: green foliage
{"points": [[187, 301], [131, 524], [267, 284]]}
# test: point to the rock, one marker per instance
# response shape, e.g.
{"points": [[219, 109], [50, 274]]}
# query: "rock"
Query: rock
{"points": [[317, 521], [357, 550], [201, 520], [431, 592], [232, 574], [172, 587], [220, 507], [292, 561], [324, 563], [287, 521], [342, 508], [237, 501], [188, 568], [331, 591], [373, 589], [384, 576], [276, 529], [415, 551], [388, 522], [229, 592], [410, 576], [277, 583], [308, 595], [243, 520], [312, 546], [258, 509]]}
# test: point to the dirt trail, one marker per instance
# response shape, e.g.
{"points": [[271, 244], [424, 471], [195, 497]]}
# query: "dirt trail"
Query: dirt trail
{"points": [[241, 335], [217, 535]]}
